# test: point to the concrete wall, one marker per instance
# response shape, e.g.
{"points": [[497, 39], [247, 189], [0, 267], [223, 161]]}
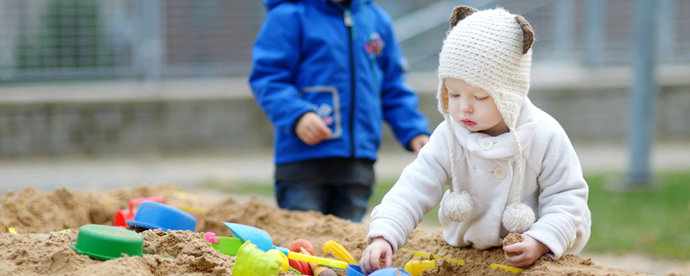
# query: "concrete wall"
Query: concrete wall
{"points": [[221, 115]]}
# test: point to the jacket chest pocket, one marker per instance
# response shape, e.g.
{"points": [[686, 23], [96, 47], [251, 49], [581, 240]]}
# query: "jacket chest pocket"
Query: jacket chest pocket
{"points": [[326, 102]]}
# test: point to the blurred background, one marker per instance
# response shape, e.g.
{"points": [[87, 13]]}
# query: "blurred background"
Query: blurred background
{"points": [[112, 93]]}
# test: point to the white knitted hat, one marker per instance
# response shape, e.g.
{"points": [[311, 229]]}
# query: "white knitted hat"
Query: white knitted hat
{"points": [[491, 50]]}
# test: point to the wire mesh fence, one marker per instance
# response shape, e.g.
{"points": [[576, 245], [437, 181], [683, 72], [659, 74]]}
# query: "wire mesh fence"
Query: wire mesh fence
{"points": [[47, 40]]}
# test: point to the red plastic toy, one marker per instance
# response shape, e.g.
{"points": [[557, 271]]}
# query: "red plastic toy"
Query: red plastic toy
{"points": [[122, 216]]}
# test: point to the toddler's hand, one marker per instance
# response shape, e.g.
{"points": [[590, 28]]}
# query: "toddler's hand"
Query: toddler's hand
{"points": [[418, 142], [311, 129], [378, 248], [531, 251]]}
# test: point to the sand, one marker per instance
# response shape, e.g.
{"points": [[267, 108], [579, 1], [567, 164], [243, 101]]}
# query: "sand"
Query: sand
{"points": [[40, 250]]}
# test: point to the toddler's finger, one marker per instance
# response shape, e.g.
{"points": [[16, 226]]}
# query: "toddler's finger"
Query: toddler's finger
{"points": [[366, 263], [323, 131], [389, 259], [516, 247], [308, 139], [363, 261]]}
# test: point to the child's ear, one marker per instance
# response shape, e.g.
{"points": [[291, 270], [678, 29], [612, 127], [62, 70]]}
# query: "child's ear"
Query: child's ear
{"points": [[459, 13], [527, 32]]}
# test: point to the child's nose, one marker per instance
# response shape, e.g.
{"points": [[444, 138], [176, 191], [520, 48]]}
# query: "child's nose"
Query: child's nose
{"points": [[466, 106]]}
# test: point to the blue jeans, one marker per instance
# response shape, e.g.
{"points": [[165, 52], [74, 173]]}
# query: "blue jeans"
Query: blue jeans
{"points": [[347, 201]]}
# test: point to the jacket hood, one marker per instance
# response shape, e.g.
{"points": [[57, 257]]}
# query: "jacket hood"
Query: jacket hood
{"points": [[272, 3]]}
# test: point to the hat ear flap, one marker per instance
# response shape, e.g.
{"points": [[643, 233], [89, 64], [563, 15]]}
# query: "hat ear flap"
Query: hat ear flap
{"points": [[443, 98], [459, 13], [527, 32]]}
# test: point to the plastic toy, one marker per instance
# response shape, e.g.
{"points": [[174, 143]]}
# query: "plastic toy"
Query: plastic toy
{"points": [[318, 270], [124, 215], [251, 261], [278, 255], [11, 230], [339, 251], [107, 242], [317, 260], [514, 270], [416, 267], [302, 267], [193, 209], [323, 271], [313, 259], [511, 269], [258, 237], [301, 243], [354, 270], [154, 215], [391, 271], [226, 245]]}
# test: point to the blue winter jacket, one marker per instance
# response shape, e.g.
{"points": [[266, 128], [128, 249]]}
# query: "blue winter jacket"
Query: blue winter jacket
{"points": [[342, 63]]}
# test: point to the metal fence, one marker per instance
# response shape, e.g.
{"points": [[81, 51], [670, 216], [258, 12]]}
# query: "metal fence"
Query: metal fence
{"points": [[48, 40]]}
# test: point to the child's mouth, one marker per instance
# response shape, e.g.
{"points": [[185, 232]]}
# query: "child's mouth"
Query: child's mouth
{"points": [[468, 122]]}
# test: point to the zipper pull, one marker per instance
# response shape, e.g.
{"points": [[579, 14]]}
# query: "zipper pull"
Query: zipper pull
{"points": [[348, 18]]}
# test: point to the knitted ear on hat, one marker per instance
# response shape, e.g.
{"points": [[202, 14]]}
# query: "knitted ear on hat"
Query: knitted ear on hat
{"points": [[459, 13], [527, 33]]}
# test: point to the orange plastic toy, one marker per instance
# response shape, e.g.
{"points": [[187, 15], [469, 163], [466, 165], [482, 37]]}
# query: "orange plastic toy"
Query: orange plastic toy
{"points": [[295, 246]]}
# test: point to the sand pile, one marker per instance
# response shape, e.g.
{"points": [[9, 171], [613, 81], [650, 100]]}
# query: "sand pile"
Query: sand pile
{"points": [[39, 250]]}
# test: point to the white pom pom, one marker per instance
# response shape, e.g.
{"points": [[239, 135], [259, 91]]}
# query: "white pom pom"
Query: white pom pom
{"points": [[517, 219], [458, 206]]}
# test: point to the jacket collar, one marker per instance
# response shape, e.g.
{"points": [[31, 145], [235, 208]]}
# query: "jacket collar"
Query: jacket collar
{"points": [[355, 5], [504, 147]]}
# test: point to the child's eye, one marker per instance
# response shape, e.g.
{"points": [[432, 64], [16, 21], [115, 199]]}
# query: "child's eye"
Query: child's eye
{"points": [[454, 95], [481, 99]]}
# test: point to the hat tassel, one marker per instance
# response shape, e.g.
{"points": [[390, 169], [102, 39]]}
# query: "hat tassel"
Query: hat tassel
{"points": [[457, 206], [518, 217]]}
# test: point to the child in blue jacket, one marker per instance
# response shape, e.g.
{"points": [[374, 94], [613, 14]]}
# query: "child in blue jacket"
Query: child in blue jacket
{"points": [[327, 73]]}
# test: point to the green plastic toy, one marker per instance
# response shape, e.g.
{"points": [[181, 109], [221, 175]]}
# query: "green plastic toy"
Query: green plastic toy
{"points": [[107, 242]]}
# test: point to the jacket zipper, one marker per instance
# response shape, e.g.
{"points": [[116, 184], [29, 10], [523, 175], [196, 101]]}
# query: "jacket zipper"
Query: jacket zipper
{"points": [[347, 17]]}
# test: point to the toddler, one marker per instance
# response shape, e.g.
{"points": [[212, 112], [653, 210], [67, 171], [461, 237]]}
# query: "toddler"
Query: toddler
{"points": [[510, 166]]}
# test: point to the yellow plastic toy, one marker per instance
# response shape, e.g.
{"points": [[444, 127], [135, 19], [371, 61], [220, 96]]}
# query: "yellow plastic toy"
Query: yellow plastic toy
{"points": [[339, 251], [251, 261], [316, 260], [511, 269], [514, 270], [11, 230], [416, 267], [278, 255]]}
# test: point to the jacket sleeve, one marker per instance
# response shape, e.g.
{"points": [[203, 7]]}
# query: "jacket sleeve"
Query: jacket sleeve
{"points": [[419, 189], [275, 62], [400, 103], [564, 223]]}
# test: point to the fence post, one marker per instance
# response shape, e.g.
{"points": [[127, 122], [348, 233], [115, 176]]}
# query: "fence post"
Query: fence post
{"points": [[667, 28], [563, 29], [641, 127], [596, 30], [152, 42]]}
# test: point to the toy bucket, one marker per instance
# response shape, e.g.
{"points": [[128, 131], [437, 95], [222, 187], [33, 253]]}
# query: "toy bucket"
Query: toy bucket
{"points": [[354, 270], [124, 215], [154, 215], [251, 261], [391, 271], [107, 242]]}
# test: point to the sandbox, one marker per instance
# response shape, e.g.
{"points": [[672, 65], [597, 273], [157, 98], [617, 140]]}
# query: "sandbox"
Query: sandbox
{"points": [[41, 248]]}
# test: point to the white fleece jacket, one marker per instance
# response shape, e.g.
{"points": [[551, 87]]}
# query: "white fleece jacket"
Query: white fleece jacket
{"points": [[553, 187]]}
